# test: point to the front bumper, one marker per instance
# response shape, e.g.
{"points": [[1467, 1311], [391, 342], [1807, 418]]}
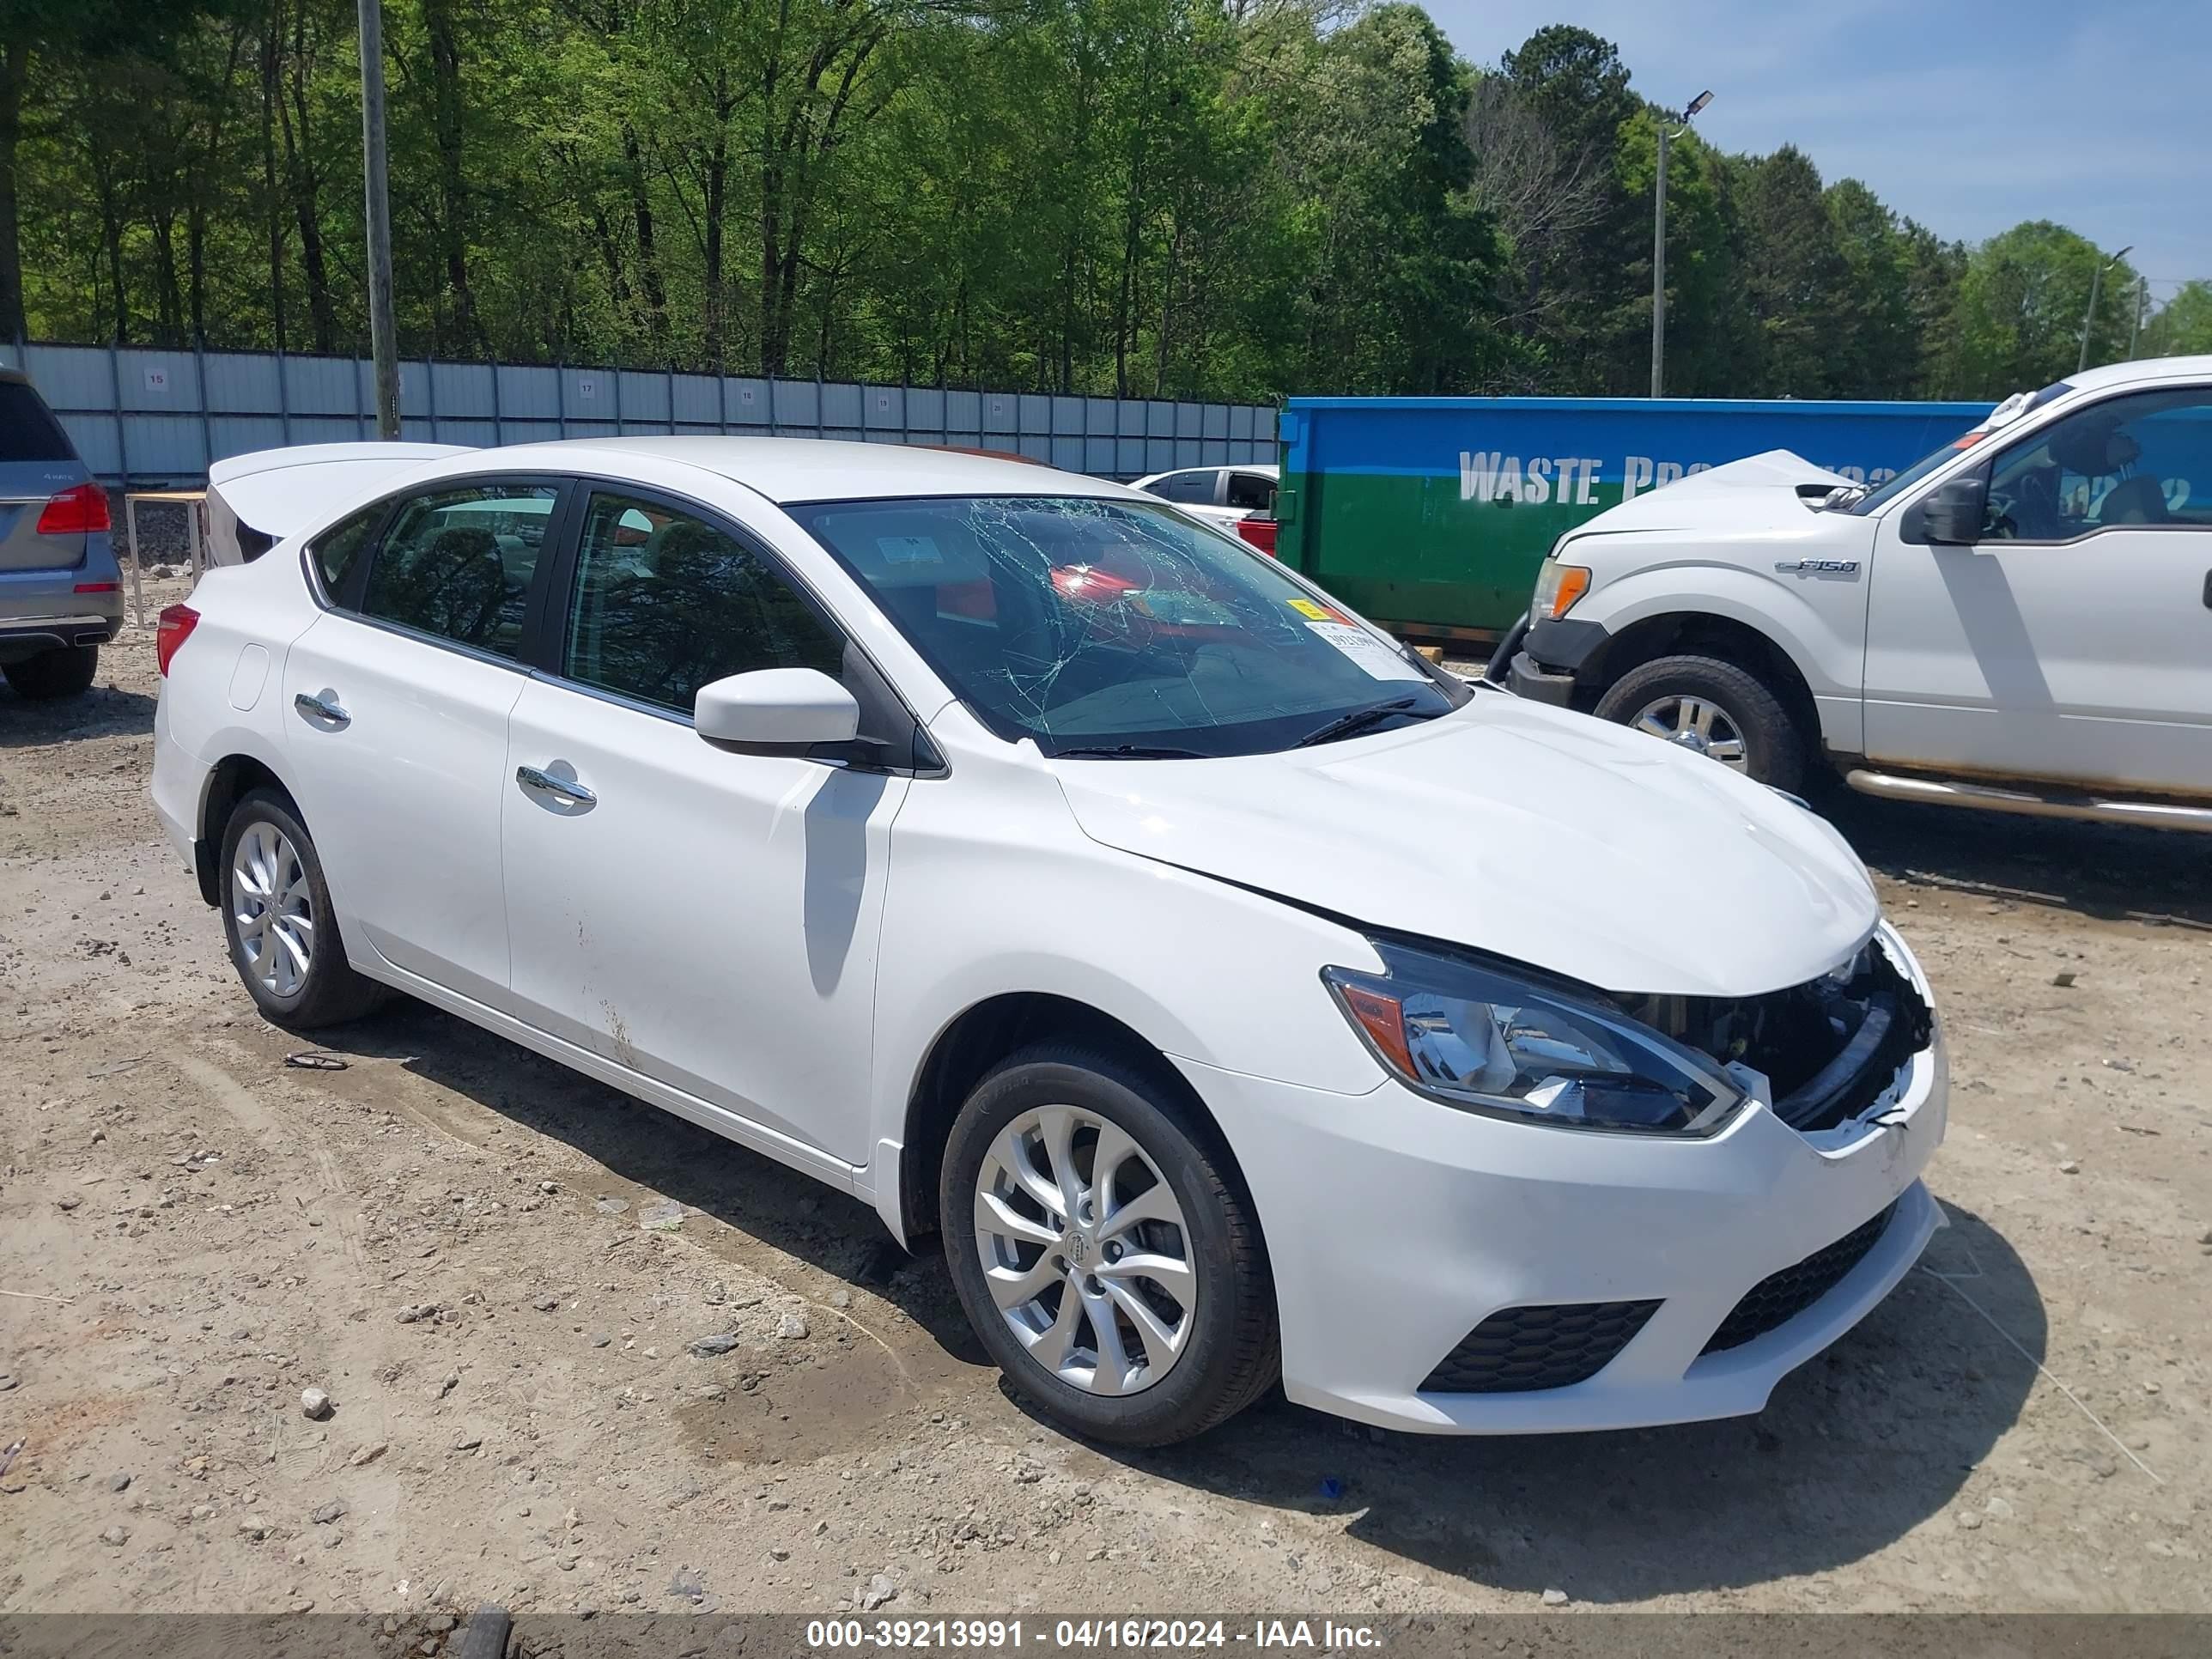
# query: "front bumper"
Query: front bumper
{"points": [[1527, 678], [1396, 1226]]}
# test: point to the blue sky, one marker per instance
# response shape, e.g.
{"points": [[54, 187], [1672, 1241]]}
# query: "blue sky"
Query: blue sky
{"points": [[1969, 115]]}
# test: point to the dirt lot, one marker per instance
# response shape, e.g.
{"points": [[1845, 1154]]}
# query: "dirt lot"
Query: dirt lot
{"points": [[2024, 1426]]}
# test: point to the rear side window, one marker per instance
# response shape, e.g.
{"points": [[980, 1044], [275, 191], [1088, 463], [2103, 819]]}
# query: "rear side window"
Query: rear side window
{"points": [[28, 431], [457, 564], [1194, 488], [666, 603], [1254, 492], [337, 550]]}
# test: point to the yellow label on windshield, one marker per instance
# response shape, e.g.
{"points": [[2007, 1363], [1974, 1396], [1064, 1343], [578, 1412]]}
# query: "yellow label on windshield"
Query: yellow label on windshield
{"points": [[1308, 608]]}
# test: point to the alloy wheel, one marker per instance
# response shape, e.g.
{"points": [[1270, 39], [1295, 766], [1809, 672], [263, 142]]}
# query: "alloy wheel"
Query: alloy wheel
{"points": [[274, 909], [1084, 1250], [1697, 724]]}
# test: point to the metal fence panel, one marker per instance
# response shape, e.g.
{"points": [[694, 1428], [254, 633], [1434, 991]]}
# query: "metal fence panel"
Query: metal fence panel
{"points": [[841, 406], [698, 399], [462, 392], [71, 377], [148, 414], [794, 403]]}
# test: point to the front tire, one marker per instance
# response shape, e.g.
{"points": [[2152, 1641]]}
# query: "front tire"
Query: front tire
{"points": [[65, 671], [276, 916], [1104, 1252], [1714, 708]]}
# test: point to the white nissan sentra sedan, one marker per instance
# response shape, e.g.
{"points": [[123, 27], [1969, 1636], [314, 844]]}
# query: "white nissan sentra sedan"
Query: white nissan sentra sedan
{"points": [[1234, 993]]}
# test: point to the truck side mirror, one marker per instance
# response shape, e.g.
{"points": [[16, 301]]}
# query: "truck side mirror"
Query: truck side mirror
{"points": [[1953, 515]]}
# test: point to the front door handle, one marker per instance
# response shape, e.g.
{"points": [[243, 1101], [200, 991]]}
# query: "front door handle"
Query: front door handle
{"points": [[2208, 590], [321, 708], [531, 777]]}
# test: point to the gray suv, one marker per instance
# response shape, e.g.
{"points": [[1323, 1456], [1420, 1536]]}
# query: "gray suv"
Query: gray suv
{"points": [[61, 591]]}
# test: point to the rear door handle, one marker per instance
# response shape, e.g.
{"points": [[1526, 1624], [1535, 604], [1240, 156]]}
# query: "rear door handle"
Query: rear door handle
{"points": [[530, 777], [2208, 590], [321, 708]]}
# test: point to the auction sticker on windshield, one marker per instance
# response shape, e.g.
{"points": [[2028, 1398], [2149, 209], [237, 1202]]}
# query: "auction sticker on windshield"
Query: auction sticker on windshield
{"points": [[1372, 655]]}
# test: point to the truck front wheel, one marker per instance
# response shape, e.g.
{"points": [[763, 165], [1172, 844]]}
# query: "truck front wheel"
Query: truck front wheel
{"points": [[1712, 708]]}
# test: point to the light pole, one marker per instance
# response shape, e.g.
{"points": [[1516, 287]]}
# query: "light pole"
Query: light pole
{"points": [[381, 344], [1659, 245], [2096, 287]]}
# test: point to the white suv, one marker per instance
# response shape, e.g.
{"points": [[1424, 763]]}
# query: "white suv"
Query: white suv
{"points": [[2020, 621], [1233, 992]]}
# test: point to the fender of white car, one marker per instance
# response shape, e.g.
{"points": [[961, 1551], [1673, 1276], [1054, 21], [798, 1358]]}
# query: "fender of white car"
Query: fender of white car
{"points": [[1681, 576], [1143, 942]]}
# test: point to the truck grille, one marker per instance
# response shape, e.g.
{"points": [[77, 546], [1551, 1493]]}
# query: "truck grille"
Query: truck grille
{"points": [[1780, 1297], [1519, 1349]]}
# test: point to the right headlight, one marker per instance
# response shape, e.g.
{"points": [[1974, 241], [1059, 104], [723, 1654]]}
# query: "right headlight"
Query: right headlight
{"points": [[1486, 1041], [1558, 587]]}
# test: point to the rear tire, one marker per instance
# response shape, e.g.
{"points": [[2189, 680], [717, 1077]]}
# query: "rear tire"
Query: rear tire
{"points": [[1774, 746], [276, 916], [1213, 1294], [65, 671]]}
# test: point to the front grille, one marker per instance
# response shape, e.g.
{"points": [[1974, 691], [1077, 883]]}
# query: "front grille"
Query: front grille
{"points": [[1523, 1348], [1780, 1297]]}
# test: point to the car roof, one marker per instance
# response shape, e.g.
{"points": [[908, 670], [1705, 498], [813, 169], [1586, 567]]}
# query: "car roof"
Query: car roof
{"points": [[1268, 467], [792, 470], [2139, 369]]}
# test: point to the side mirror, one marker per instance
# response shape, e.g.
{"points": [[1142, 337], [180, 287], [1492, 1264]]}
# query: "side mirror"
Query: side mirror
{"points": [[1953, 515], [775, 711]]}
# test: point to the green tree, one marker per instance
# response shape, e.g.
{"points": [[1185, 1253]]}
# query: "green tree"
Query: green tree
{"points": [[1877, 349], [2182, 326], [1794, 275], [2022, 301]]}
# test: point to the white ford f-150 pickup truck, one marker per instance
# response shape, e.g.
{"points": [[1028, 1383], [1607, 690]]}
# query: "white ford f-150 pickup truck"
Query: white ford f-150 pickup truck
{"points": [[2020, 621]]}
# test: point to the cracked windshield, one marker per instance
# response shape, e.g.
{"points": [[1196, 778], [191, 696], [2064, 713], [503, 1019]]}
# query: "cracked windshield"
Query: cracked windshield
{"points": [[1106, 629]]}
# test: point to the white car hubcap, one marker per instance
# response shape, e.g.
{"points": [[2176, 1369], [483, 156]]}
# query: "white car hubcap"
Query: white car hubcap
{"points": [[1692, 723], [1084, 1250], [273, 908]]}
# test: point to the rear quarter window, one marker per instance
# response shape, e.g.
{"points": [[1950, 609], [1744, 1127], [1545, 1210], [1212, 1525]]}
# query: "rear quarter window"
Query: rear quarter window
{"points": [[337, 551], [28, 430]]}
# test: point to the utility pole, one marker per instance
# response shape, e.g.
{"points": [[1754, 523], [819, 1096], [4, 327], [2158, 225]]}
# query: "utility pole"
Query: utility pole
{"points": [[2096, 287], [2135, 322], [1659, 245], [382, 344]]}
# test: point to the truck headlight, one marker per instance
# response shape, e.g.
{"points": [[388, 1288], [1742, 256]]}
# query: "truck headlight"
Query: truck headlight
{"points": [[1558, 587], [1486, 1041]]}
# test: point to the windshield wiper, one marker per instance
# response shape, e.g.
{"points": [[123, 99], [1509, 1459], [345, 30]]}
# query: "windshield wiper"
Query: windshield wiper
{"points": [[1357, 719], [1131, 751]]}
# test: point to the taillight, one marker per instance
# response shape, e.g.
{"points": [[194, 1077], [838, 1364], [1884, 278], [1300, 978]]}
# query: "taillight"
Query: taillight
{"points": [[178, 621], [77, 511]]}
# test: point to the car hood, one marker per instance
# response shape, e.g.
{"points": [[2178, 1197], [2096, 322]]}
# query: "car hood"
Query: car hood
{"points": [[1759, 492], [1551, 838]]}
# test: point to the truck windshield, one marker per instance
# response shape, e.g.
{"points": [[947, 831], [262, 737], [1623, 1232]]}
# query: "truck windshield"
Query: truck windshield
{"points": [[1113, 629], [1998, 418]]}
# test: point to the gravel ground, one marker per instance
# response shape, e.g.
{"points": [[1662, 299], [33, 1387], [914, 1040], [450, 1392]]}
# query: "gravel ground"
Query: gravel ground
{"points": [[472, 1252]]}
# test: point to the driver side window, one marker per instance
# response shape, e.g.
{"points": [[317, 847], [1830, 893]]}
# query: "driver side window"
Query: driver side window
{"points": [[2142, 459]]}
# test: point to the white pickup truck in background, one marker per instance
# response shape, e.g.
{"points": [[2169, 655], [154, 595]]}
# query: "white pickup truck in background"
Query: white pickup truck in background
{"points": [[2020, 621]]}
